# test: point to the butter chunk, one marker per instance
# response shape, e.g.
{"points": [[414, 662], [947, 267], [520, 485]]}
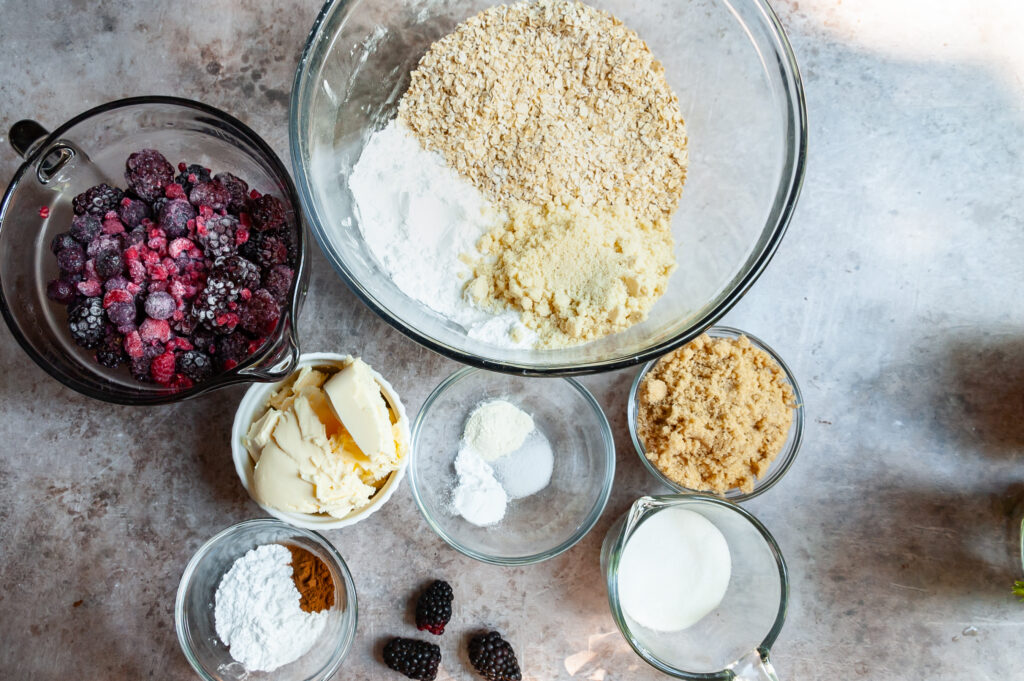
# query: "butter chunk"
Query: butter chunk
{"points": [[277, 482], [355, 397], [260, 432]]}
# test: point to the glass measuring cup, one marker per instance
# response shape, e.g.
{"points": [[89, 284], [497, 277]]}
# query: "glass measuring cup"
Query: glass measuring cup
{"points": [[92, 148], [732, 641]]}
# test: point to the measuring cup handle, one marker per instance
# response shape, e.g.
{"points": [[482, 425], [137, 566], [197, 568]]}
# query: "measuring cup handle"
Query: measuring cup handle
{"points": [[25, 135], [754, 666]]}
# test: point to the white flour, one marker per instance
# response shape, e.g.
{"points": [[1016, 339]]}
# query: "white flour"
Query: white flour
{"points": [[257, 613], [417, 216]]}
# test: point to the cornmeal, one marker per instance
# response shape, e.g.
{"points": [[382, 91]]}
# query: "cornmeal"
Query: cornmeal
{"points": [[714, 414]]}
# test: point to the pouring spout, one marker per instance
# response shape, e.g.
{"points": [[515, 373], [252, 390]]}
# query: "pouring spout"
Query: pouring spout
{"points": [[754, 666]]}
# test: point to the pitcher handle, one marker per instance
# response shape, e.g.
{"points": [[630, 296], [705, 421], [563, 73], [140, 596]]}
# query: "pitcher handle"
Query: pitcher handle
{"points": [[754, 666]]}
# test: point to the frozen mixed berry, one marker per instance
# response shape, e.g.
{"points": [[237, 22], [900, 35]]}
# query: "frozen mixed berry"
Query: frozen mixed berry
{"points": [[260, 314], [87, 322], [135, 238], [71, 259], [133, 211], [122, 315], [434, 607], [216, 235], [111, 351], [237, 189], [278, 280], [140, 363], [191, 175], [102, 242], [267, 213], [160, 305], [147, 172], [109, 264], [161, 369], [61, 291], [214, 306], [154, 331], [241, 272], [415, 659], [84, 228], [265, 249], [98, 200], [493, 658], [62, 241], [231, 350], [196, 365], [212, 194], [174, 217]]}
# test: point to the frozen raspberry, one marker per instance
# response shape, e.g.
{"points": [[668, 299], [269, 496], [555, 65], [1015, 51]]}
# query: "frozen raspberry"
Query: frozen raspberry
{"points": [[133, 345], [268, 213], [90, 287], [109, 264], [196, 365], [242, 273], [87, 323], [112, 224], [260, 314], [61, 291], [97, 200], [237, 190], [154, 331], [122, 315], [147, 173], [191, 175], [174, 218], [175, 191], [278, 280], [71, 259], [132, 212], [85, 228], [217, 236], [160, 305], [162, 368], [212, 194], [117, 295], [61, 241]]}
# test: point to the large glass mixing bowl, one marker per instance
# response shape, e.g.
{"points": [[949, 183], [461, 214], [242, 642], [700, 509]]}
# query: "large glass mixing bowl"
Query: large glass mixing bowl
{"points": [[738, 85]]}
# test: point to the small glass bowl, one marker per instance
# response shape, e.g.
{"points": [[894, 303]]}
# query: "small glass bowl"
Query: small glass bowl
{"points": [[536, 527], [194, 605], [781, 463], [92, 148]]}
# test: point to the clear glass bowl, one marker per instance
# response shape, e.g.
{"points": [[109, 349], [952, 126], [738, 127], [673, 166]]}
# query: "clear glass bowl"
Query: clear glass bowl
{"points": [[728, 61], [92, 148], [781, 463], [537, 527], [194, 605], [738, 634]]}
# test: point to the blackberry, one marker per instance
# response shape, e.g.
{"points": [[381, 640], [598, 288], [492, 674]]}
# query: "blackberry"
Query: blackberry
{"points": [[98, 200], [174, 217], [84, 228], [267, 213], [111, 352], [213, 304], [196, 365], [160, 305], [158, 205], [415, 659], [231, 349], [109, 264], [238, 190], [147, 173], [203, 340], [62, 241], [278, 280], [493, 658], [260, 314], [71, 259], [240, 271], [212, 194], [217, 237], [434, 608], [132, 212], [191, 175], [122, 315], [265, 249], [61, 291], [87, 322]]}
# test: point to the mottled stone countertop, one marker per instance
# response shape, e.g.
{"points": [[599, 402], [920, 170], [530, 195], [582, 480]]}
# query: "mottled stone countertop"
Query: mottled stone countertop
{"points": [[896, 297]]}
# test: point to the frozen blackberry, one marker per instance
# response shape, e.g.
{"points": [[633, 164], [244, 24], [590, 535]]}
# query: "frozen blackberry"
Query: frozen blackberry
{"points": [[98, 200], [238, 190], [217, 236], [212, 194], [493, 658], [174, 217], [203, 340], [61, 241], [214, 304], [132, 212], [191, 175], [111, 351], [160, 305], [87, 322], [267, 213], [266, 249], [71, 259], [240, 271], [260, 314], [122, 315], [231, 350], [109, 264], [147, 173], [84, 228], [415, 659], [61, 291], [434, 608], [196, 365], [278, 280]]}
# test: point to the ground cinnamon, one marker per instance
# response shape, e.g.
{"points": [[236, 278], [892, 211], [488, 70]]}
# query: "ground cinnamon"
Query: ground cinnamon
{"points": [[313, 580]]}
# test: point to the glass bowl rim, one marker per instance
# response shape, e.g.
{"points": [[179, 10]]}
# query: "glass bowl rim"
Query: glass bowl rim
{"points": [[615, 554], [785, 458], [346, 642], [581, 531], [296, 293], [786, 195]]}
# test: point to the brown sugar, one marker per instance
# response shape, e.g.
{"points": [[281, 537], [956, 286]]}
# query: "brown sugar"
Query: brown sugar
{"points": [[714, 414]]}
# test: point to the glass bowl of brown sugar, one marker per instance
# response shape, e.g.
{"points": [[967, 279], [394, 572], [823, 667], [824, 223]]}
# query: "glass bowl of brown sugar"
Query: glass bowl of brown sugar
{"points": [[283, 558]]}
